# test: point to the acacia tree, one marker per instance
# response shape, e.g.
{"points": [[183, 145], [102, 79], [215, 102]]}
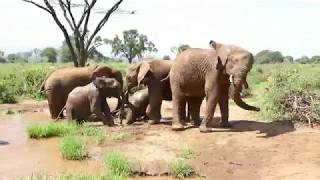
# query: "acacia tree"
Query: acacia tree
{"points": [[82, 43], [131, 45]]}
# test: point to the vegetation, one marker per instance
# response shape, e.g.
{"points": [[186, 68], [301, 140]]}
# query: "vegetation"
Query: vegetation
{"points": [[131, 45], [118, 164], [276, 85], [120, 136], [50, 53], [73, 148], [178, 49], [267, 57], [181, 169], [83, 42], [51, 129], [22, 81], [187, 153]]}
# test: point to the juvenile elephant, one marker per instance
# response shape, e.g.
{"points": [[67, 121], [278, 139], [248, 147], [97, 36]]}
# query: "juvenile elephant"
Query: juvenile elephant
{"points": [[150, 73], [154, 74], [60, 82], [195, 74], [137, 106], [89, 102]]}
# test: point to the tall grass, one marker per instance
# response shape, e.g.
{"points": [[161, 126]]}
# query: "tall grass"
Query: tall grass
{"points": [[51, 129], [282, 80], [118, 164], [23, 80], [73, 147]]}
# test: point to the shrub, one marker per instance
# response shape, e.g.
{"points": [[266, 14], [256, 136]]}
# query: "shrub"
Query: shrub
{"points": [[73, 148], [6, 95], [181, 169], [285, 83], [118, 164]]}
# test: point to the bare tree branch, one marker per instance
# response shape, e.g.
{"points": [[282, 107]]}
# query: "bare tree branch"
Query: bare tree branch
{"points": [[102, 22], [63, 8], [38, 5]]}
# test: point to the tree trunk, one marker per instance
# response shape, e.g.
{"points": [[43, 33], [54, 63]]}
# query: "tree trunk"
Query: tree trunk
{"points": [[82, 59], [130, 60]]}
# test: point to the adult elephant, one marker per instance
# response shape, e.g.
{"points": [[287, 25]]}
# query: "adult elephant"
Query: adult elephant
{"points": [[195, 74], [151, 73], [60, 82]]}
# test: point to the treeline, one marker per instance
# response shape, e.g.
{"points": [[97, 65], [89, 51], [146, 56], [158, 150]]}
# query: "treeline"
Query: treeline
{"points": [[272, 57], [48, 54]]}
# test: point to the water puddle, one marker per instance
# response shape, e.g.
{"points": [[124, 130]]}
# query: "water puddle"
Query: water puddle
{"points": [[21, 156]]}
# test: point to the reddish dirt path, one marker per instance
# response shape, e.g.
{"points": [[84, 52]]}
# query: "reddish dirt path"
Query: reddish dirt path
{"points": [[252, 149]]}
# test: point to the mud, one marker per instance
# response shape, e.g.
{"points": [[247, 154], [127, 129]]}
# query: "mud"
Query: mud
{"points": [[252, 149]]}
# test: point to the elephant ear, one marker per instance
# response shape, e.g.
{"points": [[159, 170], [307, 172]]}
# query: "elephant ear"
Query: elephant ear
{"points": [[143, 70], [94, 74], [213, 44]]}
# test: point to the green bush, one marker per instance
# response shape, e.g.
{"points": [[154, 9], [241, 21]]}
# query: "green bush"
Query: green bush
{"points": [[292, 79], [73, 148]]}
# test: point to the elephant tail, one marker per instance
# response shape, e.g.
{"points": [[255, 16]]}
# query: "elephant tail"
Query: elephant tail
{"points": [[57, 119], [42, 86]]}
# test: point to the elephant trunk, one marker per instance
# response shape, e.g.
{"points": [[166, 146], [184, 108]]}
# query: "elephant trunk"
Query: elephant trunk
{"points": [[236, 87]]}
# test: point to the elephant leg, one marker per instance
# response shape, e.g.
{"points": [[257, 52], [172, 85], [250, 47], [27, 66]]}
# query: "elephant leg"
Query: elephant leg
{"points": [[195, 103], [224, 109], [56, 104], [69, 113], [212, 100], [131, 116], [179, 112]]}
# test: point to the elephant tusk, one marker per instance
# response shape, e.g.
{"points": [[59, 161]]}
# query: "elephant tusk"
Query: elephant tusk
{"points": [[231, 79]]}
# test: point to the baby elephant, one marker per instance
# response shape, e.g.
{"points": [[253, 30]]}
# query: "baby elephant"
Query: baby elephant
{"points": [[136, 108], [89, 102]]}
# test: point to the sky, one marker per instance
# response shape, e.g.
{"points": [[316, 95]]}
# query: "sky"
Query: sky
{"points": [[289, 26]]}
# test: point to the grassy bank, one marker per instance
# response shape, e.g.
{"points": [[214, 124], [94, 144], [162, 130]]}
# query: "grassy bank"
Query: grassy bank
{"points": [[23, 80]]}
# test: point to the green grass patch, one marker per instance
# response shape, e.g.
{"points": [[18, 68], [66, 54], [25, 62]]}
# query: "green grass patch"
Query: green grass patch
{"points": [[118, 164], [119, 136], [187, 153], [73, 148], [181, 169], [51, 129]]}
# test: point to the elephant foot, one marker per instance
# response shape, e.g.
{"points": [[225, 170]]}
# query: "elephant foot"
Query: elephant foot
{"points": [[109, 122], [225, 125], [205, 129], [153, 121], [177, 127], [196, 124]]}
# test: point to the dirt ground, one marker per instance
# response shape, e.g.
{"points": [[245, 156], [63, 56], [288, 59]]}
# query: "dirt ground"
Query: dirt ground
{"points": [[252, 149]]}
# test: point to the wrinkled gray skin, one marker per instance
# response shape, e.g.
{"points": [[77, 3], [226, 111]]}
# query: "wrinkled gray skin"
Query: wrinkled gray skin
{"points": [[89, 102], [194, 74], [137, 106], [60, 82]]}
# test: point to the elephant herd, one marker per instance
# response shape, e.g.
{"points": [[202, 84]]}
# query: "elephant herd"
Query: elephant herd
{"points": [[214, 73]]}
